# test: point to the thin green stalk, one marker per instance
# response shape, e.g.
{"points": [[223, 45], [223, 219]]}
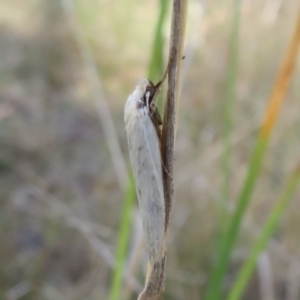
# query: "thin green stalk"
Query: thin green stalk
{"points": [[156, 65], [228, 118], [215, 285], [122, 243], [228, 111], [267, 230]]}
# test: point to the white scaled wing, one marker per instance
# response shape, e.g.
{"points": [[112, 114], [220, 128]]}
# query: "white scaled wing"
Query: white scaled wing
{"points": [[145, 156]]}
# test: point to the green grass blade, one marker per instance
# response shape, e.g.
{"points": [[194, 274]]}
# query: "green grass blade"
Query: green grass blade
{"points": [[267, 230], [122, 243], [215, 285], [228, 120], [156, 65], [228, 111]]}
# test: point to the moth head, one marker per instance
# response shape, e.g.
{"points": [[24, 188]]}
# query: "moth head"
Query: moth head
{"points": [[150, 96], [147, 93]]}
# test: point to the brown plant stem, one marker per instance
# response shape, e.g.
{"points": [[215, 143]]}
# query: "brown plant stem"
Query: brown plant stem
{"points": [[156, 273], [171, 106]]}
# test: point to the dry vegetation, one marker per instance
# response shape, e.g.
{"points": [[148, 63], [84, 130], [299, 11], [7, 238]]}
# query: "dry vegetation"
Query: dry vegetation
{"points": [[60, 198]]}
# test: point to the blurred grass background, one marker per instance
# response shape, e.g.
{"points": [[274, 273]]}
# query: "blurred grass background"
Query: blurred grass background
{"points": [[60, 199]]}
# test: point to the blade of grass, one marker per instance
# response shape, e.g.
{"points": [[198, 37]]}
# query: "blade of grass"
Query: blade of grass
{"points": [[156, 65], [155, 71], [228, 239], [100, 100], [267, 230], [228, 112], [122, 243], [271, 116]]}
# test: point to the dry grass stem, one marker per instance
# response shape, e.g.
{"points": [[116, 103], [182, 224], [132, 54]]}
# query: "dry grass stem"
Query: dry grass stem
{"points": [[169, 123], [99, 97], [156, 273]]}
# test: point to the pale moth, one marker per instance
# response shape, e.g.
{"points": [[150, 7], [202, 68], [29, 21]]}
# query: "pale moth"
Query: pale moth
{"points": [[142, 125], [143, 122]]}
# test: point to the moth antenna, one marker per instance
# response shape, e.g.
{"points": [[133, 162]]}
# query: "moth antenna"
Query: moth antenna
{"points": [[165, 75]]}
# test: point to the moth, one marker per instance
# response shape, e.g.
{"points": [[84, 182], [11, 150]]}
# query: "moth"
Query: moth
{"points": [[142, 122]]}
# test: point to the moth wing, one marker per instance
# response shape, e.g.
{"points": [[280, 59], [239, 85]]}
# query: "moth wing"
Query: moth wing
{"points": [[145, 155]]}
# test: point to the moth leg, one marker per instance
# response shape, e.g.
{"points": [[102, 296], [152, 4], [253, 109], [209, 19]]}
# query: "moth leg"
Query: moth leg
{"points": [[157, 116], [166, 170]]}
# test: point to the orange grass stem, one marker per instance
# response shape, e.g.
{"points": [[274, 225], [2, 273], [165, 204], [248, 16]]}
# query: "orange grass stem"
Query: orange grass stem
{"points": [[281, 84]]}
